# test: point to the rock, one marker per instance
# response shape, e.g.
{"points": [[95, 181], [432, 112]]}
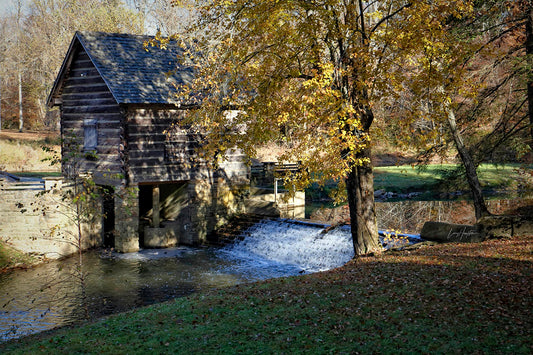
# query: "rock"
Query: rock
{"points": [[485, 228], [389, 195], [446, 232], [379, 193], [412, 195], [523, 226], [505, 226]]}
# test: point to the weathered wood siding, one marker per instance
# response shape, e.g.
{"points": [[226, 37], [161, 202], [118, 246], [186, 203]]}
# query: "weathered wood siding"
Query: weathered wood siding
{"points": [[160, 150], [148, 146], [84, 96]]}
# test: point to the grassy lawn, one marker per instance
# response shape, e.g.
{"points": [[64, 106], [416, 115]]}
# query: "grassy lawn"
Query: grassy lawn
{"points": [[433, 180], [405, 178], [451, 298], [40, 174]]}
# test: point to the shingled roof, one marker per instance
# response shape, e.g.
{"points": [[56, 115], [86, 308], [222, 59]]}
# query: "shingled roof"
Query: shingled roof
{"points": [[134, 74]]}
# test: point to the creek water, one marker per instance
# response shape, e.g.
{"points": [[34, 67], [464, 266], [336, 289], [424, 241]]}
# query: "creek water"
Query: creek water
{"points": [[51, 295]]}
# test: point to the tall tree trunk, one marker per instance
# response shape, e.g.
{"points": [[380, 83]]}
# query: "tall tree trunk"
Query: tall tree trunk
{"points": [[529, 52], [360, 179], [360, 189], [470, 168], [0, 103], [21, 118]]}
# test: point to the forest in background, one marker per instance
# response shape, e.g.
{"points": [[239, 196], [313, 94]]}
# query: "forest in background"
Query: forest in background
{"points": [[35, 34], [493, 119], [34, 38]]}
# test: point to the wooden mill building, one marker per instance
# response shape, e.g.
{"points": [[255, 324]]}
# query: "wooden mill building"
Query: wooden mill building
{"points": [[119, 122]]}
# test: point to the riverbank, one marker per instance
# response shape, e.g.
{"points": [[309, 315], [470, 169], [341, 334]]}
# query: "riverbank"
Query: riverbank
{"points": [[450, 298], [11, 258], [401, 217]]}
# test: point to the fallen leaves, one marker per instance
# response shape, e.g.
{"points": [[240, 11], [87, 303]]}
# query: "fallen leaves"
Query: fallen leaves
{"points": [[452, 298]]}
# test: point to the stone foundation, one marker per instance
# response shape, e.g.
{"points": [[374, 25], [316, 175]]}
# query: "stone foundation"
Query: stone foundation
{"points": [[34, 220], [162, 237], [38, 221], [127, 220]]}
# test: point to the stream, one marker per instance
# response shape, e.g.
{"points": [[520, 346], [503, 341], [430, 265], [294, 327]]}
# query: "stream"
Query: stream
{"points": [[51, 295]]}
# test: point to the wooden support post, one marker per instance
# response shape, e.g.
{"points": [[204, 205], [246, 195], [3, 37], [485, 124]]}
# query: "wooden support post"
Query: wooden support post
{"points": [[294, 196], [155, 206]]}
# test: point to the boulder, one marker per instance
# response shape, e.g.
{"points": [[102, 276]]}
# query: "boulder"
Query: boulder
{"points": [[505, 226], [379, 194], [446, 233]]}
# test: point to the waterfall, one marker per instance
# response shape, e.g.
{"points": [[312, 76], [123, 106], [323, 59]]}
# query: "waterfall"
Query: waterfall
{"points": [[288, 245], [303, 246]]}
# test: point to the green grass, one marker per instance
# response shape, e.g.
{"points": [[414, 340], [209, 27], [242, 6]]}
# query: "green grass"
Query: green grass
{"points": [[503, 176], [40, 174], [405, 178], [453, 298], [435, 179], [442, 178]]}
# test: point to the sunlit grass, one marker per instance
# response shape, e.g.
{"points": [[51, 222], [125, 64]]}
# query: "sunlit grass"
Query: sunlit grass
{"points": [[438, 177], [19, 156]]}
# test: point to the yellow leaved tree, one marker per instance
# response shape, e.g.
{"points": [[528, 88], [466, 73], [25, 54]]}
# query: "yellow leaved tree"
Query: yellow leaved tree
{"points": [[316, 68]]}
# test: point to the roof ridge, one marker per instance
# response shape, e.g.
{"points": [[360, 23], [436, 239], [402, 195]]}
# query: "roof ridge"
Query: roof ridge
{"points": [[120, 34]]}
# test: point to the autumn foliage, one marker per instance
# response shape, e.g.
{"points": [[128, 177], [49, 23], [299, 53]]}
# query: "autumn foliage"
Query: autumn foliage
{"points": [[311, 74]]}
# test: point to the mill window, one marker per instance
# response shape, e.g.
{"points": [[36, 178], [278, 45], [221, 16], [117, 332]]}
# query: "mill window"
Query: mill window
{"points": [[90, 135]]}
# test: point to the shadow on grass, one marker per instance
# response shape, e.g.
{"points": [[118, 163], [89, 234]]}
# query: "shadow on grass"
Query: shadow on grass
{"points": [[454, 298]]}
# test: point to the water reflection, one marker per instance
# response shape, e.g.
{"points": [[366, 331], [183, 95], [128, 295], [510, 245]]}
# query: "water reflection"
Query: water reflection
{"points": [[50, 295]]}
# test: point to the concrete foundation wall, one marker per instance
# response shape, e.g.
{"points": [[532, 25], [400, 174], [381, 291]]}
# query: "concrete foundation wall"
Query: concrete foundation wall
{"points": [[286, 206], [38, 221]]}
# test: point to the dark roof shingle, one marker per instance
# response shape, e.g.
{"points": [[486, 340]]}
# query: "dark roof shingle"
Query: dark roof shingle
{"points": [[136, 74]]}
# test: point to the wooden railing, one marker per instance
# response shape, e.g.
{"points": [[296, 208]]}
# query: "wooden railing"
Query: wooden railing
{"points": [[269, 174], [266, 174]]}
